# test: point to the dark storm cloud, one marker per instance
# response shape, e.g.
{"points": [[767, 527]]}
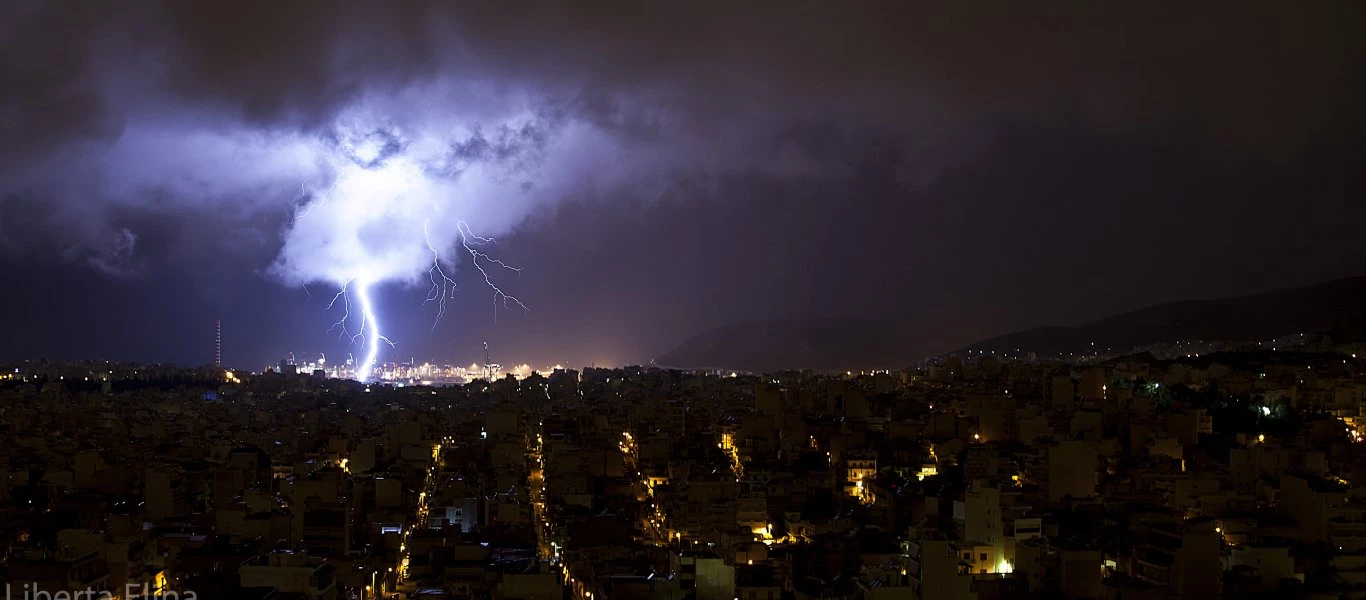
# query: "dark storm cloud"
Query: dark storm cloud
{"points": [[49, 96], [518, 148], [1243, 72], [370, 149], [142, 137]]}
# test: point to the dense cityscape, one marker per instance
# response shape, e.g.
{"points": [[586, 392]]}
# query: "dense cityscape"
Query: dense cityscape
{"points": [[1228, 474]]}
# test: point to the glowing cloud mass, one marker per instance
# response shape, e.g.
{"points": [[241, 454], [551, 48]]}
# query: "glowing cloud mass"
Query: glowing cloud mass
{"points": [[395, 189], [393, 201], [397, 192], [389, 200]]}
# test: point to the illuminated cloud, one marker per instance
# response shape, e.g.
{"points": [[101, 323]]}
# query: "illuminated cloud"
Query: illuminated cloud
{"points": [[317, 142], [230, 108]]}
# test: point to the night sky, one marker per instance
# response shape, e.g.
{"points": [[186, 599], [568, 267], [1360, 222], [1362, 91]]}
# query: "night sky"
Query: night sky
{"points": [[657, 169]]}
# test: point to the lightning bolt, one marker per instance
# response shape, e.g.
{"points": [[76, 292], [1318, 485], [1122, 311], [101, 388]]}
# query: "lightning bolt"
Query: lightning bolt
{"points": [[373, 338], [471, 243], [443, 286], [309, 207], [368, 331], [346, 313]]}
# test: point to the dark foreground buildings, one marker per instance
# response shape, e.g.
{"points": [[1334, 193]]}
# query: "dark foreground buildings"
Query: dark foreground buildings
{"points": [[1226, 475]]}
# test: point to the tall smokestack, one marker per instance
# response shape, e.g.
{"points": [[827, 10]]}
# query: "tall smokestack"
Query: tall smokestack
{"points": [[218, 344]]}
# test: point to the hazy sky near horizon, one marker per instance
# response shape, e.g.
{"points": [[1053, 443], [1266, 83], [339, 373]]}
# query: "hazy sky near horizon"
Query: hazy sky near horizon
{"points": [[657, 169]]}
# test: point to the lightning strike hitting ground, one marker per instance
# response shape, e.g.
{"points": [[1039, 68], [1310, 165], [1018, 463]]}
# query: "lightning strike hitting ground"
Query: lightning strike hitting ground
{"points": [[373, 338], [368, 331], [386, 206]]}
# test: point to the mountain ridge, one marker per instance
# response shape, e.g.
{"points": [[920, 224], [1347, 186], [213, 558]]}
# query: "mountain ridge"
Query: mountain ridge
{"points": [[1319, 308], [861, 343]]}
